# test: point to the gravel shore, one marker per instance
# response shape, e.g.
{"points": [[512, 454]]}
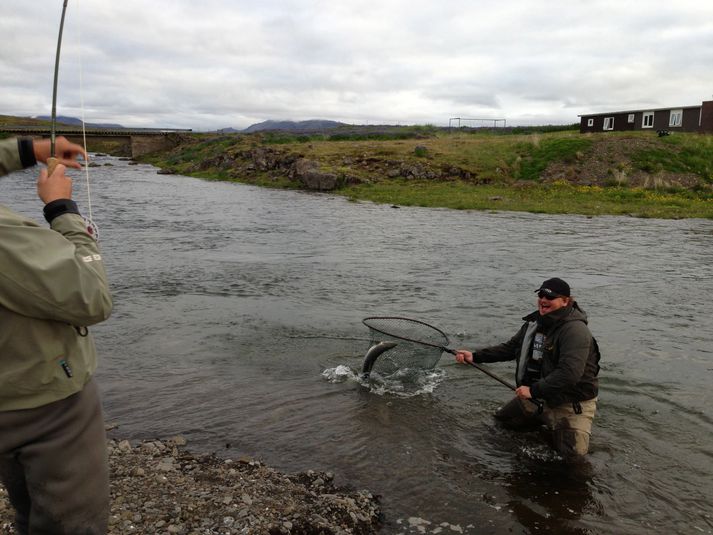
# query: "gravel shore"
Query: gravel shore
{"points": [[159, 488]]}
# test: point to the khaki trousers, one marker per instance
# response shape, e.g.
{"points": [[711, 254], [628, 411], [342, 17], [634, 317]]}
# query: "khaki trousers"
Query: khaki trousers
{"points": [[567, 431], [53, 462]]}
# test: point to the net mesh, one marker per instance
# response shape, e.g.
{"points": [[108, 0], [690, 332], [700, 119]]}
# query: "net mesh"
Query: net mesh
{"points": [[409, 353]]}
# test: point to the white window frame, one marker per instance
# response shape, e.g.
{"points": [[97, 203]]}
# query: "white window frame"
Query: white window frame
{"points": [[590, 122], [608, 123], [647, 115], [630, 118], [675, 119]]}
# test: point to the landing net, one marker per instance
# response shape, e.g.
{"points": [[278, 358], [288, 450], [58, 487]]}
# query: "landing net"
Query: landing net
{"points": [[419, 344]]}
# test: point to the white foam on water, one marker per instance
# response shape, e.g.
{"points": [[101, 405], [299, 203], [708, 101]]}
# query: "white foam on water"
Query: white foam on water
{"points": [[539, 452], [339, 374], [406, 382]]}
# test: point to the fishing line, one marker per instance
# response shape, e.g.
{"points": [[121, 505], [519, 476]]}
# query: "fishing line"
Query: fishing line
{"points": [[81, 106], [329, 337]]}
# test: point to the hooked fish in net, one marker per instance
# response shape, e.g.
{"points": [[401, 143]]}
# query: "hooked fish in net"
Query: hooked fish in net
{"points": [[398, 343]]}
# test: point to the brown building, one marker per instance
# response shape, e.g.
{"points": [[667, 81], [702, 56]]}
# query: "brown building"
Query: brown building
{"points": [[681, 119]]}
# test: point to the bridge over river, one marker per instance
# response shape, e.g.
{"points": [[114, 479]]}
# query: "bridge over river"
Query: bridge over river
{"points": [[131, 142]]}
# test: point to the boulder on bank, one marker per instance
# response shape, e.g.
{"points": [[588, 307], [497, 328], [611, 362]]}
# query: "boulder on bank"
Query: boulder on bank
{"points": [[308, 173], [267, 159]]}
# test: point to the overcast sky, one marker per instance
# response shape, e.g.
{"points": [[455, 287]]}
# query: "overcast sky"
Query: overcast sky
{"points": [[207, 64]]}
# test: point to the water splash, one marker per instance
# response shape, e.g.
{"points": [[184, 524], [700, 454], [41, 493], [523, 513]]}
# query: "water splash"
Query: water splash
{"points": [[406, 382], [340, 374]]}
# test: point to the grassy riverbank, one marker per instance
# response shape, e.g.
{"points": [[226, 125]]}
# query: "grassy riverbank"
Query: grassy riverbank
{"points": [[558, 198], [552, 169], [634, 173]]}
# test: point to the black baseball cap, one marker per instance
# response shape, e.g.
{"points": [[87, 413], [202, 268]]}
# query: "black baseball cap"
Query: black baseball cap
{"points": [[554, 287]]}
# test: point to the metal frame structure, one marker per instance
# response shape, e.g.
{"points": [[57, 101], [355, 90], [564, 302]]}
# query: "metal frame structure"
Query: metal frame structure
{"points": [[482, 121]]}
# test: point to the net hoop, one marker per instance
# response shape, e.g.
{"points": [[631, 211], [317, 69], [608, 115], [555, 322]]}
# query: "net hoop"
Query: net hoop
{"points": [[369, 322]]}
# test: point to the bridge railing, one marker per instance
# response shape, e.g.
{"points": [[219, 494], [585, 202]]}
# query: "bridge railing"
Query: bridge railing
{"points": [[73, 131]]}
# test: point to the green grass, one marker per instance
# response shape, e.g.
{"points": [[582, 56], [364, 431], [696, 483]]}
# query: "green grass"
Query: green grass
{"points": [[559, 198], [392, 133], [386, 133], [9, 120], [679, 154], [536, 157], [519, 130]]}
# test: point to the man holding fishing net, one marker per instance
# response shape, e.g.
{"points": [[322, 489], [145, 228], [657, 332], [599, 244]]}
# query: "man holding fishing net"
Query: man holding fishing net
{"points": [[558, 362]]}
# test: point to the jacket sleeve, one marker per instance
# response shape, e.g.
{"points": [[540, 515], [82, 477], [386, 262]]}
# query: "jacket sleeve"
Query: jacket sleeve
{"points": [[15, 154], [509, 350], [53, 274], [574, 346]]}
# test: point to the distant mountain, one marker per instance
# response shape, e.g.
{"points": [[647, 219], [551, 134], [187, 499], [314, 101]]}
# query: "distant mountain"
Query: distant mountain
{"points": [[227, 131], [73, 121], [313, 125]]}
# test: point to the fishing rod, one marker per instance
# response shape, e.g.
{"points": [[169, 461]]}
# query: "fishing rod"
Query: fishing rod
{"points": [[52, 160]]}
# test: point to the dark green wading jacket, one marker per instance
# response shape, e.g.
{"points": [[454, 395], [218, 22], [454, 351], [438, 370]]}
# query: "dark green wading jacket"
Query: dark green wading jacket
{"points": [[570, 358], [52, 285]]}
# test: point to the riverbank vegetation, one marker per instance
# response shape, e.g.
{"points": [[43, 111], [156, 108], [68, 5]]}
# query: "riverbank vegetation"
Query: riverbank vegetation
{"points": [[9, 120], [545, 170], [557, 198], [548, 169]]}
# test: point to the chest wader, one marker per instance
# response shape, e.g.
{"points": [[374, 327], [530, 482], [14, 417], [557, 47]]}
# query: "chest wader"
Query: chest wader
{"points": [[519, 416]]}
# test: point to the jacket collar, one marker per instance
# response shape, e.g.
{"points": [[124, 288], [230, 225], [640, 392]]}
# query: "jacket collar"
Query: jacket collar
{"points": [[571, 312]]}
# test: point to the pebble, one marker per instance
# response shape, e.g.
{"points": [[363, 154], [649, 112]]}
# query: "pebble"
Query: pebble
{"points": [[158, 488]]}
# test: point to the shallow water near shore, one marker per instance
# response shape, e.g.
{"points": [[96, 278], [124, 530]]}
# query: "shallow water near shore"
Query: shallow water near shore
{"points": [[237, 324]]}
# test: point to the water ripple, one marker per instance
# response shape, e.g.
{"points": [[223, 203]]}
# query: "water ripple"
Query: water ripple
{"points": [[232, 302]]}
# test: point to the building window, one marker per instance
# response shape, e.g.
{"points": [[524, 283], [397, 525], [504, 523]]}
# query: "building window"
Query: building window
{"points": [[590, 122], [630, 119], [676, 118], [608, 123], [648, 120]]}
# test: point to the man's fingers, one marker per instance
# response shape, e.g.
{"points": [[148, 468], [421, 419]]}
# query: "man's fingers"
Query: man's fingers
{"points": [[69, 158], [73, 164], [71, 154], [59, 171]]}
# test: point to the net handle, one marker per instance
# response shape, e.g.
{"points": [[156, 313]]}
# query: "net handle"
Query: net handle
{"points": [[536, 402]]}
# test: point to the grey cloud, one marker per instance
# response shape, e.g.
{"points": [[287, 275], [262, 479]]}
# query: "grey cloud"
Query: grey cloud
{"points": [[224, 63]]}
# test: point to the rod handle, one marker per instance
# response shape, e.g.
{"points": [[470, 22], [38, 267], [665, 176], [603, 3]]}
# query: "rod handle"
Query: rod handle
{"points": [[52, 164]]}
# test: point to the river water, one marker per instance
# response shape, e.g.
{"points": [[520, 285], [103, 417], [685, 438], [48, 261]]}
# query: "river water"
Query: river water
{"points": [[237, 324]]}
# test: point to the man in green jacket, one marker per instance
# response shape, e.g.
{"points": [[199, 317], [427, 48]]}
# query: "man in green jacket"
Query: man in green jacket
{"points": [[52, 287], [558, 362]]}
